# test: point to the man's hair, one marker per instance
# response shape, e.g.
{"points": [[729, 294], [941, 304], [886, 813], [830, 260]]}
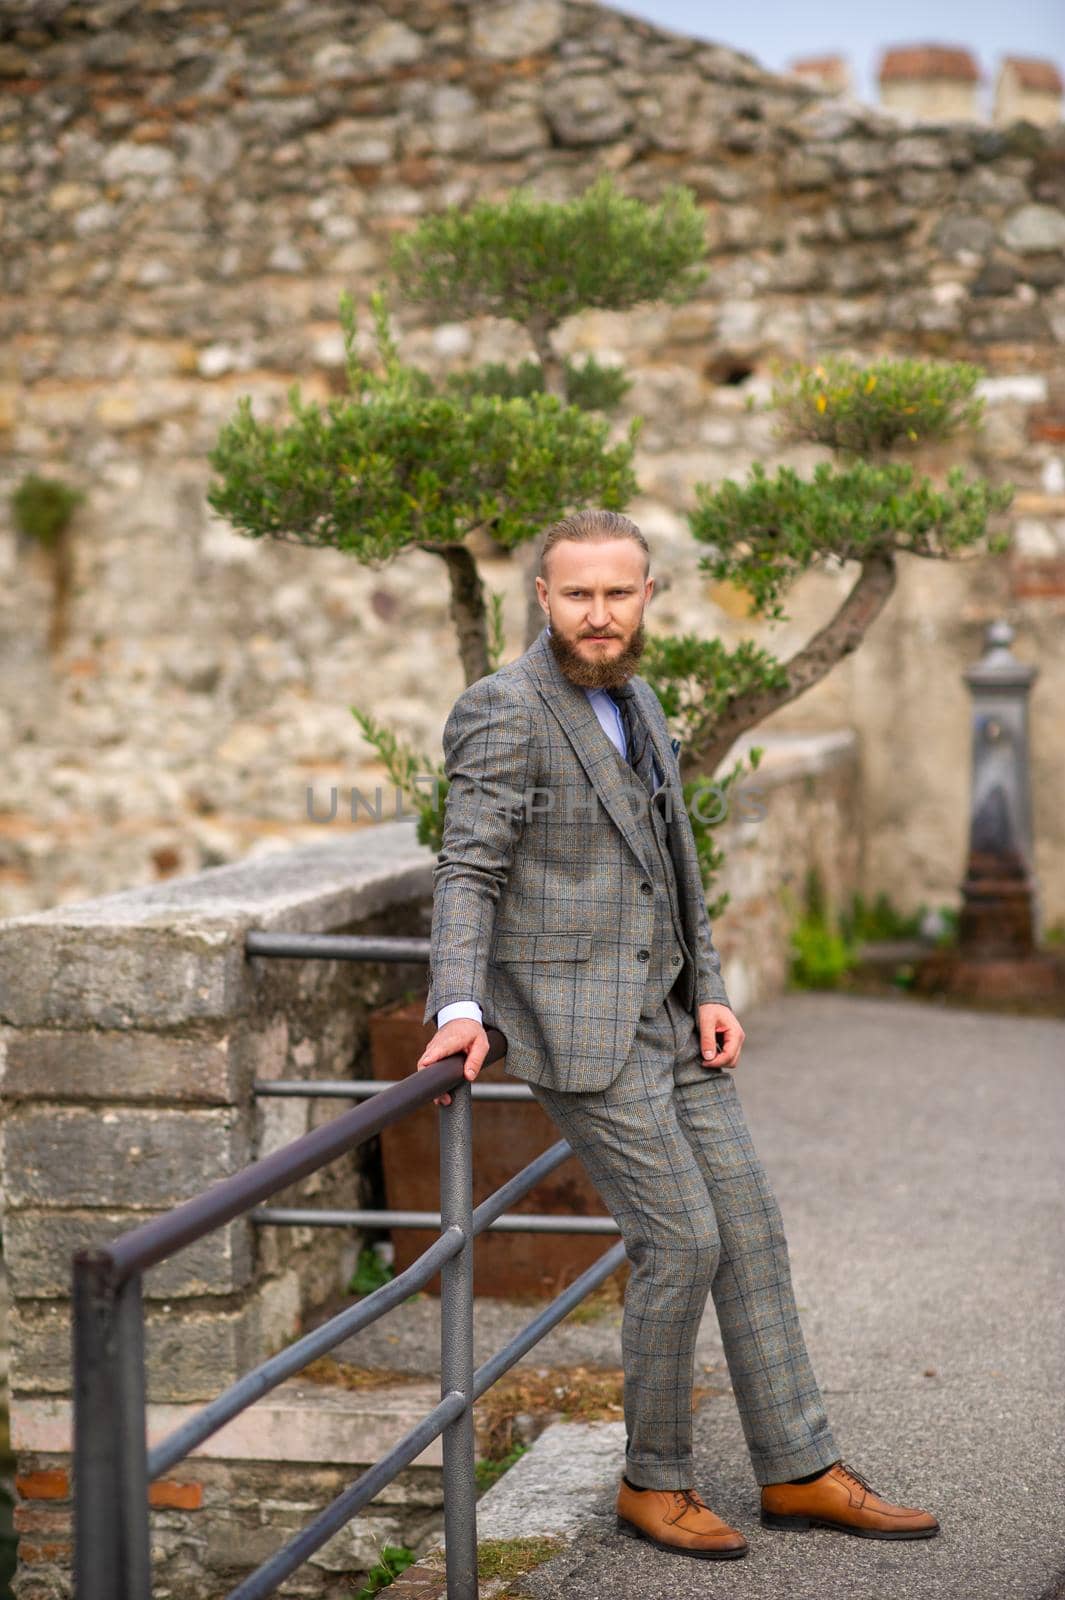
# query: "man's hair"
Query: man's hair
{"points": [[592, 526]]}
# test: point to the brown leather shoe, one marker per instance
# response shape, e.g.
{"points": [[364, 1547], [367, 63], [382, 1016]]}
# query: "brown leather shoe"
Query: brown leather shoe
{"points": [[676, 1519], [841, 1498]]}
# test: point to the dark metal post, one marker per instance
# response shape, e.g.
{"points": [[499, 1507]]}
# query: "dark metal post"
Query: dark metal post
{"points": [[111, 1536], [97, 1553], [132, 1433], [456, 1346]]}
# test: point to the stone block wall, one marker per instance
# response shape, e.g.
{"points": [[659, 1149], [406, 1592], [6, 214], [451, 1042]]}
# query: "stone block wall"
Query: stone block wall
{"points": [[132, 1029], [186, 190]]}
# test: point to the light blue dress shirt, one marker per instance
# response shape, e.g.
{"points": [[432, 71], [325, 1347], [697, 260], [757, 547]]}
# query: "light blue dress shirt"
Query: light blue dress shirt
{"points": [[609, 714]]}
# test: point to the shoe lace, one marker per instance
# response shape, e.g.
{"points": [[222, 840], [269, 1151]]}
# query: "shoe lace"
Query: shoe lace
{"points": [[689, 1497], [855, 1477]]}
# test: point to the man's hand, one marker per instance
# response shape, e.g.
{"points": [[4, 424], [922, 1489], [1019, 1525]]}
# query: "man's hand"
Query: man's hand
{"points": [[715, 1018], [461, 1033]]}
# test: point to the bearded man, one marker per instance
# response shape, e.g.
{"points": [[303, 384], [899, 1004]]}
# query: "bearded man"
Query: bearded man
{"points": [[568, 911]]}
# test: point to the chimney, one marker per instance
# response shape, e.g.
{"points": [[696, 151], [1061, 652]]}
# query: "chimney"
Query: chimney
{"points": [[1029, 89], [931, 82], [829, 73]]}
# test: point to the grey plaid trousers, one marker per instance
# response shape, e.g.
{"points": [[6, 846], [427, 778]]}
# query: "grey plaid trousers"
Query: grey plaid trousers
{"points": [[666, 1145]]}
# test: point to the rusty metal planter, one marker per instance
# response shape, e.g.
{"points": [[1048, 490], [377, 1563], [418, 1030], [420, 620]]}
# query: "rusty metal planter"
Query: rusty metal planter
{"points": [[506, 1136]]}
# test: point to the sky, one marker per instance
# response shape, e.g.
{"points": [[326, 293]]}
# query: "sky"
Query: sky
{"points": [[774, 31]]}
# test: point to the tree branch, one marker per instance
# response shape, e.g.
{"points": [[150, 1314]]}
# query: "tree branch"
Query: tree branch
{"points": [[842, 634]]}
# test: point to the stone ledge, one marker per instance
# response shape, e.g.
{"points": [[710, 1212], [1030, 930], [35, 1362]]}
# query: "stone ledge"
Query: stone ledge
{"points": [[173, 952], [321, 885], [557, 1489], [558, 1486], [295, 1422], [795, 755]]}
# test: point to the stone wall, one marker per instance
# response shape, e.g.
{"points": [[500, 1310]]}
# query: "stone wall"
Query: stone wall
{"points": [[186, 190]]}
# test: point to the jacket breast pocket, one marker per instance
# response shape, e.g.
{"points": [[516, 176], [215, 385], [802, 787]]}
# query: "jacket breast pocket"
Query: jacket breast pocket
{"points": [[516, 946]]}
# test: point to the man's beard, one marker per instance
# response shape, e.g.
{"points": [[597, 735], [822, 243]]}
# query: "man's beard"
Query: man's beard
{"points": [[604, 674]]}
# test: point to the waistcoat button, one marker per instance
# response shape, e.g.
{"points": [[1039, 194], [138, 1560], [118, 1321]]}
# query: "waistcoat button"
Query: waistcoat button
{"points": [[643, 955], [645, 888]]}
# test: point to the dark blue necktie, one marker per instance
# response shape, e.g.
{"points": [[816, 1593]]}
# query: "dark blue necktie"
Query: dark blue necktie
{"points": [[637, 737]]}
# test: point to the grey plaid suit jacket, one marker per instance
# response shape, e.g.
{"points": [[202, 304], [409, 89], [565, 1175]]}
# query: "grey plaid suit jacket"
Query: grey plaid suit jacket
{"points": [[540, 902]]}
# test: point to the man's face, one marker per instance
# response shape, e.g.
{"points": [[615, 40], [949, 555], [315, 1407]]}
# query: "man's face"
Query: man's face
{"points": [[594, 597]]}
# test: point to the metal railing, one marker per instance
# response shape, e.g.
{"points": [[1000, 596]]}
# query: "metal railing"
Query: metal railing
{"points": [[113, 1465]]}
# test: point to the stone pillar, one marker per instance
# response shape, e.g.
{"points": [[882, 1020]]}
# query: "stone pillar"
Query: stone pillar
{"points": [[999, 915], [132, 1028]]}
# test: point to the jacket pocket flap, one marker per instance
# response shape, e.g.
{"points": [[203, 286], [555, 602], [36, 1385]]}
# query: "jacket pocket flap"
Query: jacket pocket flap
{"points": [[542, 947]]}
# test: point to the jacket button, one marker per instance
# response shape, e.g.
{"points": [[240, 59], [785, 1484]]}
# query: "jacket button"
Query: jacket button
{"points": [[643, 955], [645, 888]]}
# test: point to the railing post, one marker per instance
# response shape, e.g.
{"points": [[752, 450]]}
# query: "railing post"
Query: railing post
{"points": [[97, 1560], [111, 1536], [133, 1442], [456, 1346]]}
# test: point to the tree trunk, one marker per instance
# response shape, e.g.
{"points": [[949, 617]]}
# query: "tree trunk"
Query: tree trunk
{"points": [[842, 634], [467, 610], [553, 366]]}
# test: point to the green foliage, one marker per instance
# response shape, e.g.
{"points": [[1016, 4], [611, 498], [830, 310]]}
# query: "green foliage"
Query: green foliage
{"points": [[708, 804], [696, 679], [370, 1273], [868, 409], [880, 920], [768, 531], [486, 1471], [398, 464], [1054, 935], [394, 1560], [540, 261], [420, 780], [42, 508], [821, 954], [590, 385]]}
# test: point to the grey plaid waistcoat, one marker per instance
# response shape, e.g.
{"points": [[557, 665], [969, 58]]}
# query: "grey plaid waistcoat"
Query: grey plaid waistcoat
{"points": [[669, 958]]}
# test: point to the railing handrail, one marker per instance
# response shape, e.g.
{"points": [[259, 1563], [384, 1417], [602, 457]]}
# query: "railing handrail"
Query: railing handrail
{"points": [[153, 1241]]}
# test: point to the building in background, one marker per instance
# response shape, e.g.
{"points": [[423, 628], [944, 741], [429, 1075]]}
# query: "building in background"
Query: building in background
{"points": [[1030, 88], [931, 81], [830, 73]]}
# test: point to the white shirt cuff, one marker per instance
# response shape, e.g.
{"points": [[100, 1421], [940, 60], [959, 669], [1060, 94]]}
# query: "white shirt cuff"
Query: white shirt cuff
{"points": [[459, 1008]]}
